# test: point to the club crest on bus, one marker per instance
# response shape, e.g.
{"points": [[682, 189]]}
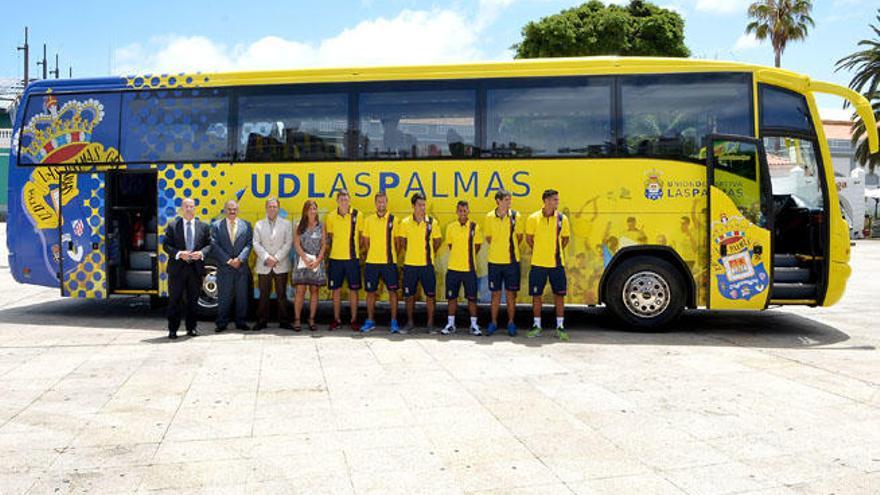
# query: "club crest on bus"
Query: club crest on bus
{"points": [[739, 271], [62, 135], [653, 186]]}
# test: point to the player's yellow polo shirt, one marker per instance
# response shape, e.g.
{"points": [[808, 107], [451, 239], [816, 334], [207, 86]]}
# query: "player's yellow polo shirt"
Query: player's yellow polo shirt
{"points": [[462, 240], [345, 229], [381, 232], [419, 240], [504, 247], [548, 233]]}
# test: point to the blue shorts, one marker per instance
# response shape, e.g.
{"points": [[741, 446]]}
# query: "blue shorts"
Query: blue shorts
{"points": [[344, 270], [506, 275], [538, 276], [415, 275], [386, 271], [456, 279]]}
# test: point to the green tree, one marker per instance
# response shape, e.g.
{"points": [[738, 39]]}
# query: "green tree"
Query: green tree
{"points": [[637, 29], [781, 21], [866, 64]]}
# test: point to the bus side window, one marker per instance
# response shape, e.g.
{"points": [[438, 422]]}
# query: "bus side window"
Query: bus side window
{"points": [[283, 125], [180, 125], [549, 118], [667, 116], [419, 123]]}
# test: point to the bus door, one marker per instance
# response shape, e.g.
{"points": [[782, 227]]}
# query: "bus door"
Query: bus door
{"points": [[740, 230], [83, 260]]}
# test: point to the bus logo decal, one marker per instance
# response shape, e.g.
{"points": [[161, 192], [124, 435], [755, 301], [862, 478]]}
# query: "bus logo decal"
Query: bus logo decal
{"points": [[739, 273], [654, 186]]}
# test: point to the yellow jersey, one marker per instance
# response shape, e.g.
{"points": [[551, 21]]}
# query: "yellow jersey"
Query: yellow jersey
{"points": [[503, 231], [547, 235], [419, 240], [381, 232], [345, 244], [463, 240]]}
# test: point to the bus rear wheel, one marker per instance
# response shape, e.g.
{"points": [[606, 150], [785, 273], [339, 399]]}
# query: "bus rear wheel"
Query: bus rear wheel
{"points": [[209, 296], [645, 293]]}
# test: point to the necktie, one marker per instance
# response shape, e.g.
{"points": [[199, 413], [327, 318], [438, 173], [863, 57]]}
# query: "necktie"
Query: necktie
{"points": [[189, 236], [234, 225]]}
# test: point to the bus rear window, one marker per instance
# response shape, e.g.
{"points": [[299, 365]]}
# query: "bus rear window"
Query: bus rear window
{"points": [[284, 126], [62, 128], [668, 116], [549, 120], [783, 109], [184, 125]]}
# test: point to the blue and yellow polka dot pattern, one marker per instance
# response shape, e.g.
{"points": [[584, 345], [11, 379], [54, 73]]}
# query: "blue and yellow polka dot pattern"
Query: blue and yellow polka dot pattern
{"points": [[205, 183], [87, 279], [179, 80]]}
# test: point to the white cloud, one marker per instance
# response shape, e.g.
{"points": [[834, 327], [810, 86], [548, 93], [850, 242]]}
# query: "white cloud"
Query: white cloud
{"points": [[675, 8], [489, 10], [746, 42], [412, 37], [723, 6]]}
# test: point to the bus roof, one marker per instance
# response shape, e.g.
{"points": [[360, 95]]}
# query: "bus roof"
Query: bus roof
{"points": [[515, 68], [609, 65]]}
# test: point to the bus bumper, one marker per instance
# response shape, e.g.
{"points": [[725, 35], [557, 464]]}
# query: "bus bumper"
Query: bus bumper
{"points": [[838, 274]]}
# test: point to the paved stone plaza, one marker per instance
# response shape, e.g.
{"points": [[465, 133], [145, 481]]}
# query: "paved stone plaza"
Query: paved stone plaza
{"points": [[94, 398]]}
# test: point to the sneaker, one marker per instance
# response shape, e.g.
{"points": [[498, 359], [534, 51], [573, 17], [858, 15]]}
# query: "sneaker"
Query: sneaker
{"points": [[355, 327], [491, 329], [432, 330], [561, 334], [395, 328], [368, 325], [475, 331], [536, 331], [448, 330], [408, 329], [334, 325], [511, 329]]}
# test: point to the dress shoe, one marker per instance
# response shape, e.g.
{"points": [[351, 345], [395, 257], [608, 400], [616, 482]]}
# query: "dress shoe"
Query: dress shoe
{"points": [[220, 328], [193, 332], [260, 326], [172, 335], [243, 327], [286, 326]]}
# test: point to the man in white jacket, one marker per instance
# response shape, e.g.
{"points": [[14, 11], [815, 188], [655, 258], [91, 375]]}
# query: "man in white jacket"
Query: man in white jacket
{"points": [[273, 238]]}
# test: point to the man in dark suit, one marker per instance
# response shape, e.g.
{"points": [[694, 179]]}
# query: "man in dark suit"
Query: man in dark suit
{"points": [[230, 246], [187, 243]]}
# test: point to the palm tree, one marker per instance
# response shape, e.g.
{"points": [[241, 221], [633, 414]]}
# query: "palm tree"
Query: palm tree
{"points": [[866, 64], [780, 20]]}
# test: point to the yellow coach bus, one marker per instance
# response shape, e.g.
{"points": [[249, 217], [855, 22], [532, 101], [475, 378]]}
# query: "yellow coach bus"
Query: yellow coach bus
{"points": [[687, 183]]}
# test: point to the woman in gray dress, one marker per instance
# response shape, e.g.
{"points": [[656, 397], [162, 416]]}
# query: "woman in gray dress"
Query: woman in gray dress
{"points": [[309, 244]]}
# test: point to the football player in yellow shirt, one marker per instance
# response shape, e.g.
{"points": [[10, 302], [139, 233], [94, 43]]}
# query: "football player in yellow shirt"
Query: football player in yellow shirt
{"points": [[420, 238], [504, 233], [344, 226], [547, 233], [381, 231], [464, 239]]}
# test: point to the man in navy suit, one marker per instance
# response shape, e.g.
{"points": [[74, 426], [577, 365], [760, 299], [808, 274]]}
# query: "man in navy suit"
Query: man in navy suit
{"points": [[230, 246], [187, 243]]}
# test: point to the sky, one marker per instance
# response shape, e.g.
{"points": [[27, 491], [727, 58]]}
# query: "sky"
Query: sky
{"points": [[103, 37]]}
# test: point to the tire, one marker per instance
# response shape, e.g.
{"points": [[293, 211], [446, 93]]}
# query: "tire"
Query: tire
{"points": [[645, 293], [209, 295]]}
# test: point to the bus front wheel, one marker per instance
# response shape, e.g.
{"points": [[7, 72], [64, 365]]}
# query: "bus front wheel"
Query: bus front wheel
{"points": [[645, 293]]}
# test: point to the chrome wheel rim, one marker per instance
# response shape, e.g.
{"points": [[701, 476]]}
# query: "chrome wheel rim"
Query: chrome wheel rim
{"points": [[646, 294], [210, 291]]}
